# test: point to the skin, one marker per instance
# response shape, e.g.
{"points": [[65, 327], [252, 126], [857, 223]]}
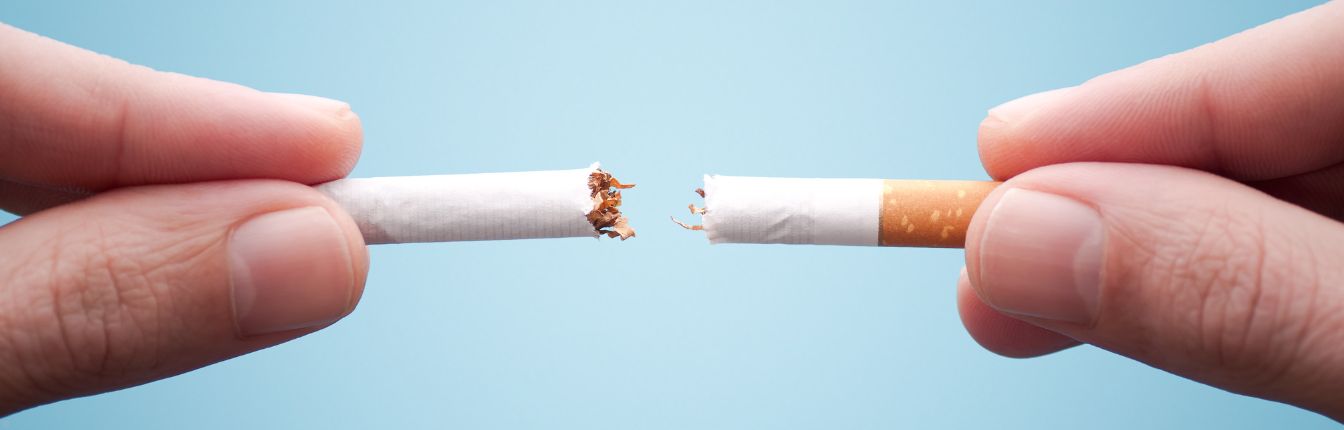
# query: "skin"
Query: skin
{"points": [[1219, 176], [1229, 153], [132, 284]]}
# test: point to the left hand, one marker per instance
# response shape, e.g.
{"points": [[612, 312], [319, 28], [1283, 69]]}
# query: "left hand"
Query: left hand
{"points": [[199, 241]]}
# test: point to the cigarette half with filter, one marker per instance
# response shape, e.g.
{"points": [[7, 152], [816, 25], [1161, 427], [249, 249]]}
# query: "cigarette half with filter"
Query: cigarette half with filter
{"points": [[864, 212], [485, 206]]}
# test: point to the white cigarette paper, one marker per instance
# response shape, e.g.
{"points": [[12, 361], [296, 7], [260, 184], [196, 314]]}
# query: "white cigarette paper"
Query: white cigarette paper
{"points": [[791, 210], [484, 206]]}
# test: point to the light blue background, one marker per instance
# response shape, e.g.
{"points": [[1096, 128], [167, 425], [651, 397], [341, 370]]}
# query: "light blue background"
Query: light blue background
{"points": [[683, 335]]}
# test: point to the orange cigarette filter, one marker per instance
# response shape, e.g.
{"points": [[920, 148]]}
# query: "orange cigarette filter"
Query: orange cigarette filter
{"points": [[931, 214], [863, 212]]}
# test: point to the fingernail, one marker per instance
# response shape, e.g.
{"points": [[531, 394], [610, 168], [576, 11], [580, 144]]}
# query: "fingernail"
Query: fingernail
{"points": [[1041, 256], [1018, 110], [289, 270], [321, 104]]}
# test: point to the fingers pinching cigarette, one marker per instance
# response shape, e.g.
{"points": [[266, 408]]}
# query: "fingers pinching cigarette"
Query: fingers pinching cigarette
{"points": [[485, 206], [862, 212]]}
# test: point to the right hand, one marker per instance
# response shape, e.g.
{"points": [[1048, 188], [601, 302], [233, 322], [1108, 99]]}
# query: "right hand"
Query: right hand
{"points": [[1184, 212]]}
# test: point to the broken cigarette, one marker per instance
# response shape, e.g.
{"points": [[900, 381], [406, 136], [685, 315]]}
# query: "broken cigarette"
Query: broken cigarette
{"points": [[485, 206], [864, 212]]}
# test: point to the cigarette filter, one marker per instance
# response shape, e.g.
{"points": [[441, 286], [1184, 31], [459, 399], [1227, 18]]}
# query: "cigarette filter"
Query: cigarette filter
{"points": [[864, 212], [486, 206]]}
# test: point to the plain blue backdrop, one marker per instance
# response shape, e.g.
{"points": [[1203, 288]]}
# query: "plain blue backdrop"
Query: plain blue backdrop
{"points": [[682, 335]]}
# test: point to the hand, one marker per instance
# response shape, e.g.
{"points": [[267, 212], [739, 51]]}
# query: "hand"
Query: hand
{"points": [[1183, 212], [203, 246]]}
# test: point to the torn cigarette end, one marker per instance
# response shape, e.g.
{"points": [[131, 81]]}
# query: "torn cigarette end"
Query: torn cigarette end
{"points": [[694, 211], [606, 216]]}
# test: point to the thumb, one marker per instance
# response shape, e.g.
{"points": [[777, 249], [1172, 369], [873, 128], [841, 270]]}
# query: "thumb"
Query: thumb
{"points": [[144, 283], [1186, 271]]}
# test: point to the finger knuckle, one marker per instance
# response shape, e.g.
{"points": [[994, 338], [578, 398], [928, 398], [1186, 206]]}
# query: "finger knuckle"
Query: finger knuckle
{"points": [[1230, 293], [96, 302]]}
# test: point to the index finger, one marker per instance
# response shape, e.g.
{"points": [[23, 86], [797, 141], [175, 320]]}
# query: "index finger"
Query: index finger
{"points": [[1262, 104], [73, 120]]}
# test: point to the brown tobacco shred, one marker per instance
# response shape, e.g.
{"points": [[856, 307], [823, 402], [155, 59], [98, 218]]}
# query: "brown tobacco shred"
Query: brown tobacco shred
{"points": [[687, 226], [694, 211], [605, 216]]}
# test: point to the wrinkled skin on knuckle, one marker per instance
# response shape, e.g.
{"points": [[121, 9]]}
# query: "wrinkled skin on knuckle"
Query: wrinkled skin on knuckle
{"points": [[16, 340], [1307, 344], [1228, 297], [96, 298]]}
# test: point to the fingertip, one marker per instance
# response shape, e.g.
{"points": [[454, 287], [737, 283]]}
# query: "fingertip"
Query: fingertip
{"points": [[1226, 107], [305, 139], [341, 149], [1004, 137], [322, 105], [90, 123], [353, 258], [996, 148], [177, 128], [335, 134], [1001, 334]]}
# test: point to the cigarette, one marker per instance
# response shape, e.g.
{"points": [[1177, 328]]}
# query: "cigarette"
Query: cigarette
{"points": [[484, 206], [861, 212]]}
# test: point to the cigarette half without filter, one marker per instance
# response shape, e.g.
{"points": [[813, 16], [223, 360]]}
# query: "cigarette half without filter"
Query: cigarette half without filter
{"points": [[863, 212], [484, 206]]}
